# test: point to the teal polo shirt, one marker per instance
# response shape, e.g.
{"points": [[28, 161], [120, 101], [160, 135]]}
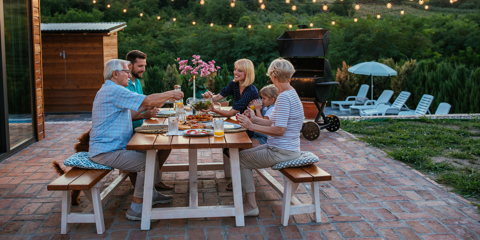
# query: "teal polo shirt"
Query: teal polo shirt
{"points": [[138, 89]]}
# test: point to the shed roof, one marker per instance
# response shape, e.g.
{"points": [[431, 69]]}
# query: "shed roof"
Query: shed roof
{"points": [[105, 27]]}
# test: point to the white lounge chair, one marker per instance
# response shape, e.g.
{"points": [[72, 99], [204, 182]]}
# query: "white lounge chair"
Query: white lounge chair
{"points": [[362, 93], [387, 109], [371, 104], [422, 107], [443, 109]]}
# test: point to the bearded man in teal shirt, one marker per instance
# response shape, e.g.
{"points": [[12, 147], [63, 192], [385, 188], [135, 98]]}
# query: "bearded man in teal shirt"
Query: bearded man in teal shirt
{"points": [[138, 62]]}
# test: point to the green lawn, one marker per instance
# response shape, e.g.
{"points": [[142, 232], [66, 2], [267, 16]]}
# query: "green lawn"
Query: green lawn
{"points": [[446, 150]]}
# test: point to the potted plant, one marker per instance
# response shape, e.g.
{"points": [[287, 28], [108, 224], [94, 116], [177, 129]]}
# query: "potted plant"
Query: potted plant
{"points": [[198, 73]]}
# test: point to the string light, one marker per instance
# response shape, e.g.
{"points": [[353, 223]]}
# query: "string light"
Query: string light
{"points": [[158, 17], [355, 20], [202, 2], [389, 5], [232, 4], [378, 16], [290, 25], [311, 24], [287, 1], [94, 1], [314, 1], [211, 24], [260, 1], [141, 14], [262, 6], [451, 1], [193, 23], [249, 25], [325, 7], [294, 7], [357, 6], [230, 25], [124, 10], [174, 19], [269, 26], [108, 5], [426, 7], [402, 12], [420, 2], [333, 22]]}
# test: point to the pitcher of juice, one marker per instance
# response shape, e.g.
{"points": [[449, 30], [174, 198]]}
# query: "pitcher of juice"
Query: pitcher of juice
{"points": [[218, 130]]}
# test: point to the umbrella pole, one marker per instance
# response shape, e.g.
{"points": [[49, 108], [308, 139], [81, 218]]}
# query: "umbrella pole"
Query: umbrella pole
{"points": [[372, 88]]}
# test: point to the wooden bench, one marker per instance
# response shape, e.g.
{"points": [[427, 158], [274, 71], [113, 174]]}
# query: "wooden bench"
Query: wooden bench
{"points": [[293, 177], [89, 181]]}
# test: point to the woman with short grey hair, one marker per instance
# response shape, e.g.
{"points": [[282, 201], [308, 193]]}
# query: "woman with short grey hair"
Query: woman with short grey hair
{"points": [[283, 131]]}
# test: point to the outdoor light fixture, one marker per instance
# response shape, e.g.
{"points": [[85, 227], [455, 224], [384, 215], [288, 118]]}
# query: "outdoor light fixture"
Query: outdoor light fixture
{"points": [[287, 1], [158, 17], [378, 16], [325, 7], [124, 10], [314, 1], [141, 14], [357, 6], [269, 26], [290, 25], [249, 26], [420, 2], [94, 1], [108, 5], [211, 24], [232, 4], [262, 6], [389, 5], [230, 25], [202, 2], [355, 20], [402, 12], [311, 24], [333, 22], [426, 7], [260, 1], [294, 7], [174, 19], [451, 1], [193, 23]]}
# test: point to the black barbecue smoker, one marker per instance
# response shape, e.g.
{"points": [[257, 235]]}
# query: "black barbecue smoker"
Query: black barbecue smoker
{"points": [[306, 49]]}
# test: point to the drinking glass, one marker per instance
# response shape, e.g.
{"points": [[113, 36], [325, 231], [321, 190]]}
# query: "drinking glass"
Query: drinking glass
{"points": [[173, 125], [218, 129], [180, 112], [252, 107]]}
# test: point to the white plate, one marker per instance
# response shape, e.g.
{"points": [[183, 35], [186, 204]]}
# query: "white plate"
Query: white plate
{"points": [[166, 112], [228, 125], [208, 132]]}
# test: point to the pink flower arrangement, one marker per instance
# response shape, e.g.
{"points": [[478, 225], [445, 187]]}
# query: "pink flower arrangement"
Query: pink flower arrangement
{"points": [[198, 66]]}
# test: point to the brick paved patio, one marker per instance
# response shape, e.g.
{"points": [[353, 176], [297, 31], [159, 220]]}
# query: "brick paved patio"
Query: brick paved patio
{"points": [[371, 196]]}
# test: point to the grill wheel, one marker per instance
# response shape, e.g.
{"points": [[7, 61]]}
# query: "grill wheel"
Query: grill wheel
{"points": [[310, 130], [334, 123]]}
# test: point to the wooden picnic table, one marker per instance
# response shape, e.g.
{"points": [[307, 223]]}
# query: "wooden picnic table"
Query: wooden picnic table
{"points": [[153, 142]]}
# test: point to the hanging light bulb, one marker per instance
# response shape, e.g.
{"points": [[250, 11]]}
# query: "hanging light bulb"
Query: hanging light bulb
{"points": [[94, 1], [357, 6], [389, 5], [402, 12], [355, 20], [290, 25], [141, 14], [193, 23], [269, 26], [230, 25], [125, 10], [451, 1], [108, 5], [325, 7], [174, 19], [294, 7], [314, 1], [211, 24], [232, 4], [378, 16], [249, 25], [311, 24], [426, 7], [333, 22], [260, 1], [202, 2], [262, 6], [420, 2], [158, 17], [287, 1]]}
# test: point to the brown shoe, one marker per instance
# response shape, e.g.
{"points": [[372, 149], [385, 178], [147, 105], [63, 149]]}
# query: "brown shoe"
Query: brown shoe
{"points": [[163, 186], [229, 187]]}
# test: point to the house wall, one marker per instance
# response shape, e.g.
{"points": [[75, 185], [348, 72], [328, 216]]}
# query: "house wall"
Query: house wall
{"points": [[38, 76]]}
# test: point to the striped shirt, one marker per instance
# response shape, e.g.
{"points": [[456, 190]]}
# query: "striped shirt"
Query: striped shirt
{"points": [[288, 113], [111, 118]]}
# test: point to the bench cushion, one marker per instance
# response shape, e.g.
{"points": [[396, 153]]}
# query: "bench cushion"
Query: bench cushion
{"points": [[306, 158], [81, 160]]}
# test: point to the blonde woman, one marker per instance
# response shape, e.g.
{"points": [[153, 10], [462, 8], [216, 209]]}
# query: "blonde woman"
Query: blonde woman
{"points": [[283, 131], [241, 88]]}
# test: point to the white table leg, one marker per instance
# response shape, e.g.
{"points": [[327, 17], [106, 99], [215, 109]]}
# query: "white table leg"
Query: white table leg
{"points": [[237, 187], [148, 189], [65, 211], [192, 175], [316, 201]]}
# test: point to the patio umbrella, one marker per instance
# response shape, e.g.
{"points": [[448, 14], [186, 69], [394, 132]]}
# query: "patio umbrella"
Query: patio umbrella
{"points": [[373, 69]]}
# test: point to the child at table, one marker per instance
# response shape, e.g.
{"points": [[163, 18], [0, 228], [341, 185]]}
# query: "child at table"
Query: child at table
{"points": [[268, 94]]}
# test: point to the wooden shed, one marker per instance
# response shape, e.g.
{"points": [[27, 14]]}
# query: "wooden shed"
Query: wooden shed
{"points": [[74, 55]]}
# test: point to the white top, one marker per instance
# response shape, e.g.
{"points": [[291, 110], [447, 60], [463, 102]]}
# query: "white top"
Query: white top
{"points": [[287, 113], [268, 111]]}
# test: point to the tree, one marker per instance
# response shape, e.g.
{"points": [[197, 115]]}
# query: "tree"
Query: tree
{"points": [[154, 80]]}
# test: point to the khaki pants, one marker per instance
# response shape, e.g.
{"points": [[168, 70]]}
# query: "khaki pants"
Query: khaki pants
{"points": [[262, 156], [132, 161]]}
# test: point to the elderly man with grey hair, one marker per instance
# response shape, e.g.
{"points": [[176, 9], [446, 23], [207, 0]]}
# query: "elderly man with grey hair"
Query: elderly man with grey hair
{"points": [[112, 129]]}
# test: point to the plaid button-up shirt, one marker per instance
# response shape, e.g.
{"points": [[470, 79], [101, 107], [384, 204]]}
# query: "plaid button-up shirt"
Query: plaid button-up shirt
{"points": [[111, 118]]}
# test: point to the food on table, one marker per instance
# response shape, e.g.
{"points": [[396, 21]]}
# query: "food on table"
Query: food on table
{"points": [[200, 117], [198, 132], [202, 104], [190, 124]]}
